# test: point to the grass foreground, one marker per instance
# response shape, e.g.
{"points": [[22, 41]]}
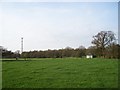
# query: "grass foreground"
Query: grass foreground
{"points": [[60, 73]]}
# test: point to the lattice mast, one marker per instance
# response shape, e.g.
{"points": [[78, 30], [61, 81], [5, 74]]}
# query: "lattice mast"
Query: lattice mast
{"points": [[21, 45]]}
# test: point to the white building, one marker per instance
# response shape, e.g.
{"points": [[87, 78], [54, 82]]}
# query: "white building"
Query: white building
{"points": [[89, 56]]}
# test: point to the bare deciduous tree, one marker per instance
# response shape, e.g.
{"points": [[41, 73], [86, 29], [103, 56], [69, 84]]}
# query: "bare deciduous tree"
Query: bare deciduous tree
{"points": [[102, 40]]}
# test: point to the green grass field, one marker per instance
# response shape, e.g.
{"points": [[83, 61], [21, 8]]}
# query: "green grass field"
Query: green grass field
{"points": [[60, 73]]}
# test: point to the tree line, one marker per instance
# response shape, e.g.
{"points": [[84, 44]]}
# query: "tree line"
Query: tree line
{"points": [[104, 45], [7, 53], [112, 51]]}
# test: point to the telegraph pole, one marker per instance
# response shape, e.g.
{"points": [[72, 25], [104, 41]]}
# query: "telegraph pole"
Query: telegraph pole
{"points": [[21, 45]]}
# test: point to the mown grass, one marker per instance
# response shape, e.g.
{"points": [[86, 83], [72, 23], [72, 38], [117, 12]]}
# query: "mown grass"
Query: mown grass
{"points": [[60, 73]]}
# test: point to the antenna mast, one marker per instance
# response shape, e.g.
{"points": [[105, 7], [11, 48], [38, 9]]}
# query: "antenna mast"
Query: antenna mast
{"points": [[21, 45]]}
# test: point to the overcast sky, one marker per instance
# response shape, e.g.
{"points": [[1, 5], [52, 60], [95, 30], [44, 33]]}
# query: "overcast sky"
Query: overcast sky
{"points": [[54, 25]]}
